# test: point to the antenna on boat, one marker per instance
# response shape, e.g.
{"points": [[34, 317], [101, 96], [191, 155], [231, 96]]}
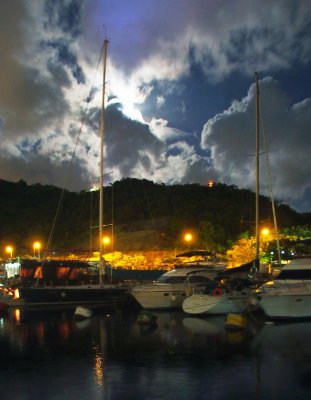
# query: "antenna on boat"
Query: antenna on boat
{"points": [[101, 175]]}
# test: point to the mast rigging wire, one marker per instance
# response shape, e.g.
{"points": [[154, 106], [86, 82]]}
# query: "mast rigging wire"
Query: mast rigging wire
{"points": [[70, 163]]}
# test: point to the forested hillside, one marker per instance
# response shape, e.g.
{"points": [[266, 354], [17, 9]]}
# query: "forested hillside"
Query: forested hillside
{"points": [[217, 214]]}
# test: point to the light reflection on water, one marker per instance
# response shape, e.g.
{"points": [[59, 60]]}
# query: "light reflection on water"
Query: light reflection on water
{"points": [[113, 357], [99, 366]]}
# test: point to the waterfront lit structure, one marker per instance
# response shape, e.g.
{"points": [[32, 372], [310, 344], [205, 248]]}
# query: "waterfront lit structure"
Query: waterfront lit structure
{"points": [[9, 250], [36, 248], [210, 183]]}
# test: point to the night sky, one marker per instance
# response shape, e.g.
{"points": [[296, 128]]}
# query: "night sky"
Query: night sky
{"points": [[180, 92]]}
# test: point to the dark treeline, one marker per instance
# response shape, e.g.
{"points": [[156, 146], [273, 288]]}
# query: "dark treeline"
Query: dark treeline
{"points": [[218, 214]]}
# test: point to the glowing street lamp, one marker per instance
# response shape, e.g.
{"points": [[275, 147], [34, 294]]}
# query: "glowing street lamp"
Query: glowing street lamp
{"points": [[9, 250], [188, 237], [265, 231], [36, 246], [106, 241]]}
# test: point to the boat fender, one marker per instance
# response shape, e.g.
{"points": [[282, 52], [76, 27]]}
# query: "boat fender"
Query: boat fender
{"points": [[189, 291], [217, 292], [173, 297]]}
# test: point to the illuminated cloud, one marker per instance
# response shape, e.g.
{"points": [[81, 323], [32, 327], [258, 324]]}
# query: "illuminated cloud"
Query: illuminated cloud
{"points": [[173, 67], [231, 137]]}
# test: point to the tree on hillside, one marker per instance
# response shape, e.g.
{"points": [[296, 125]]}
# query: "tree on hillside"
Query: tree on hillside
{"points": [[211, 237]]}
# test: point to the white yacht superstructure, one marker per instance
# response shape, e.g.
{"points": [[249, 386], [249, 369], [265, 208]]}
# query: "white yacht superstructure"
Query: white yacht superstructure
{"points": [[289, 295], [170, 290]]}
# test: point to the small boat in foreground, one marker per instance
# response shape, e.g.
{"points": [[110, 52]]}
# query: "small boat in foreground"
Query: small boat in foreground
{"points": [[216, 303], [228, 294]]}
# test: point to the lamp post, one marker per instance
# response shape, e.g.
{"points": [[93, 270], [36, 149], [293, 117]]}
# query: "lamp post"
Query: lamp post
{"points": [[36, 246]]}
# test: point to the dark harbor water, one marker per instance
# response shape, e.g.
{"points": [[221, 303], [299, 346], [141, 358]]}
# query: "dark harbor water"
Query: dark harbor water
{"points": [[51, 356]]}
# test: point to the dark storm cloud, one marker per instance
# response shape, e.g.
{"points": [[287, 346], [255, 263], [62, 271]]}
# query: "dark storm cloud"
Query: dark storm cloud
{"points": [[131, 148], [66, 57], [58, 73], [93, 119], [65, 14], [28, 101], [130, 144], [40, 169], [34, 78], [199, 170]]}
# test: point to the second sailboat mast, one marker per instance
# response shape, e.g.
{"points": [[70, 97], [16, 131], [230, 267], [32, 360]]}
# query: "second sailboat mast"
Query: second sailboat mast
{"points": [[101, 176], [257, 172]]}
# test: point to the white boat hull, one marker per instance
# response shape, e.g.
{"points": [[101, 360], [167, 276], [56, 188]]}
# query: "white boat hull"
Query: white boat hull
{"points": [[158, 298], [209, 304], [286, 305]]}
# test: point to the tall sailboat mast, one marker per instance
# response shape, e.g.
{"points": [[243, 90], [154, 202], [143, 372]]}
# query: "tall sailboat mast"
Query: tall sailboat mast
{"points": [[257, 233], [101, 175], [257, 173]]}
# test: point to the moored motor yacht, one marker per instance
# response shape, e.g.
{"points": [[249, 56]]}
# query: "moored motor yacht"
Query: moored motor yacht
{"points": [[289, 294], [229, 293], [218, 302], [170, 290]]}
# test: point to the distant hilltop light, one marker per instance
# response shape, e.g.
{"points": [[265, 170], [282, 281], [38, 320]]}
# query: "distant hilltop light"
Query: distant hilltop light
{"points": [[210, 183]]}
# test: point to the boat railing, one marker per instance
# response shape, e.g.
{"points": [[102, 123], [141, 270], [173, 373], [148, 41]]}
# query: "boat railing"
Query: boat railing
{"points": [[289, 286]]}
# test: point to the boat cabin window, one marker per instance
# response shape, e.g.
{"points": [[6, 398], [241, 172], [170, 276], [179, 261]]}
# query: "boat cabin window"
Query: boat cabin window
{"points": [[74, 273], [172, 279], [27, 273], [38, 272], [199, 279], [183, 279], [62, 272], [295, 274]]}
